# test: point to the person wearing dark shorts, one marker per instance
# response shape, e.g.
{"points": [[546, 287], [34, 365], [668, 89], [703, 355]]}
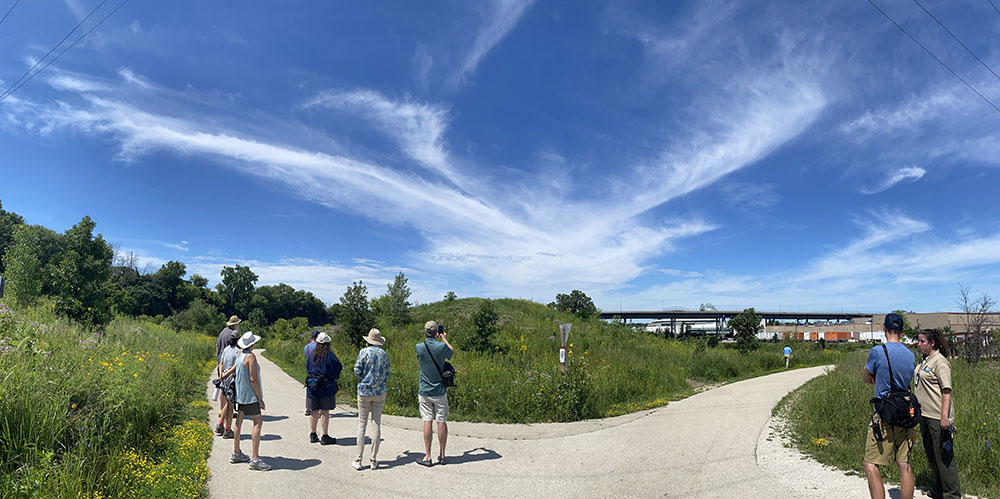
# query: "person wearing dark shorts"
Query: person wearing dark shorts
{"points": [[306, 352], [249, 402], [323, 369]]}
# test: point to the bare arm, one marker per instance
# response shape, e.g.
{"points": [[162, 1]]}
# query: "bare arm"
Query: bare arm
{"points": [[254, 369], [868, 377], [444, 338], [229, 372], [945, 407]]}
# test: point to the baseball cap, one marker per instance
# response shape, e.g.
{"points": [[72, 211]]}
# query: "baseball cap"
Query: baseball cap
{"points": [[894, 321]]}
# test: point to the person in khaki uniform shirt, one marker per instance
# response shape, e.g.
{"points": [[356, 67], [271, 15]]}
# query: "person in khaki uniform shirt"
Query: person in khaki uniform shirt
{"points": [[933, 390]]}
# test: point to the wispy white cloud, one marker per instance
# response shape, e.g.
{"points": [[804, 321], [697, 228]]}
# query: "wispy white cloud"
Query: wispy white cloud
{"points": [[502, 18], [888, 265], [418, 127], [906, 173], [751, 195]]}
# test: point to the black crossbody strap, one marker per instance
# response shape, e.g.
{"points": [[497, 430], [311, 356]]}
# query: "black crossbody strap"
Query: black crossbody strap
{"points": [[433, 359], [891, 378]]}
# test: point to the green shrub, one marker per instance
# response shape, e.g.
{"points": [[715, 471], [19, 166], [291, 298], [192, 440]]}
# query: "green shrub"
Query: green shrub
{"points": [[74, 406]]}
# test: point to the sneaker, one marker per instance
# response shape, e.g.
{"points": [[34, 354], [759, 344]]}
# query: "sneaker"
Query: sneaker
{"points": [[313, 438], [259, 465], [228, 434], [327, 440], [374, 464], [219, 429], [356, 464], [239, 458]]}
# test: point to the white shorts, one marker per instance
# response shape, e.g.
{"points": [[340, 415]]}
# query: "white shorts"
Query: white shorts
{"points": [[433, 408]]}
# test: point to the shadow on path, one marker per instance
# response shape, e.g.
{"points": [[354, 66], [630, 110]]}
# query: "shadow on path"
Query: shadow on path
{"points": [[274, 418], [290, 463], [245, 437], [470, 456], [352, 441], [406, 457]]}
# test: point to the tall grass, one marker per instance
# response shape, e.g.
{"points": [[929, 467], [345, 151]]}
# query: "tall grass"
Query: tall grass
{"points": [[84, 414], [828, 419], [611, 370]]}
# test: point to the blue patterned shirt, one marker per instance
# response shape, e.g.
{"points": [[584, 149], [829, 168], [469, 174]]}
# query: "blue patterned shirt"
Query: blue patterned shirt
{"points": [[372, 370]]}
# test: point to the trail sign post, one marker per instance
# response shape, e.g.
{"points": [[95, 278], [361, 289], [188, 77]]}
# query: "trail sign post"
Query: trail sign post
{"points": [[564, 336]]}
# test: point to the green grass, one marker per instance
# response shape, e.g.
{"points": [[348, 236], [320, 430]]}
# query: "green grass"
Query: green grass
{"points": [[828, 418], [612, 370], [117, 414]]}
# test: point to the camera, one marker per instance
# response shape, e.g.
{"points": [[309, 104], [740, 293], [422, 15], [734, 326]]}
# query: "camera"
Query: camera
{"points": [[440, 329]]}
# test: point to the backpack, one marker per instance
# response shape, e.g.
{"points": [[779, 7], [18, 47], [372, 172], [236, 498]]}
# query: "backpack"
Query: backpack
{"points": [[899, 407]]}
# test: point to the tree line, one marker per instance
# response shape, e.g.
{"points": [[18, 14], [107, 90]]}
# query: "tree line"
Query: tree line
{"points": [[89, 281]]}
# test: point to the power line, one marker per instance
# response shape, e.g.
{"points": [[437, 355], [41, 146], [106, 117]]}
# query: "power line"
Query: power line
{"points": [[994, 106], [994, 6], [4, 18], [967, 49], [19, 83]]}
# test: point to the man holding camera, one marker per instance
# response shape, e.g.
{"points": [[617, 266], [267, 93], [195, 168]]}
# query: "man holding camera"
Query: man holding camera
{"points": [[432, 397], [887, 443]]}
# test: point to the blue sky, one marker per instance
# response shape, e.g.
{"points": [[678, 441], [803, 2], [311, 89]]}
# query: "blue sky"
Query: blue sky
{"points": [[778, 155]]}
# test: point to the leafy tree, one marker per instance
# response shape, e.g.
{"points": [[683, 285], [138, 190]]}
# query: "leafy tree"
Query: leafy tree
{"points": [[198, 316], [256, 321], [746, 325], [8, 222], [199, 281], [576, 302], [397, 312], [354, 315], [484, 320], [82, 272], [237, 289], [170, 280], [22, 266], [450, 296]]}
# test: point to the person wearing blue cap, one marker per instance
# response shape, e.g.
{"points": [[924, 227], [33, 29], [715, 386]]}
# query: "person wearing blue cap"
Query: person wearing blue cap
{"points": [[887, 443]]}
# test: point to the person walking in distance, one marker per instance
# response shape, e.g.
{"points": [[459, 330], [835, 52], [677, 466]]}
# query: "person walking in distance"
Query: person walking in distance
{"points": [[887, 443], [431, 396], [788, 355], [322, 371], [372, 370], [937, 419], [232, 329], [307, 351], [249, 402]]}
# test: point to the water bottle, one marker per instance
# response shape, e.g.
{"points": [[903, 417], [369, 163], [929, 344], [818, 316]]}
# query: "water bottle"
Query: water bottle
{"points": [[215, 395]]}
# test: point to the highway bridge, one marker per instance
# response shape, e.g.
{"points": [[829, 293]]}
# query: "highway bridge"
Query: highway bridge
{"points": [[723, 315]]}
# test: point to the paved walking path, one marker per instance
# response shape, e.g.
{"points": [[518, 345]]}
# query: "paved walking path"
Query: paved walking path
{"points": [[713, 444]]}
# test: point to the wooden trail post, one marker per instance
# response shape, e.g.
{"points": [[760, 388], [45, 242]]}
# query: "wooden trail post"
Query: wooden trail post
{"points": [[564, 336]]}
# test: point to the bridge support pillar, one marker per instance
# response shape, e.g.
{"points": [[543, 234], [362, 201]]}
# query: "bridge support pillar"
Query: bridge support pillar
{"points": [[673, 327]]}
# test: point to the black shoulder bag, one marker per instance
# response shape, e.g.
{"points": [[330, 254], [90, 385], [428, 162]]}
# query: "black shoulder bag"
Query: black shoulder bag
{"points": [[447, 374], [899, 407]]}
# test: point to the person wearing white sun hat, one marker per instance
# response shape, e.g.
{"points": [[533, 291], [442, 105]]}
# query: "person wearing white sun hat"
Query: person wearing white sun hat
{"points": [[249, 402], [372, 370]]}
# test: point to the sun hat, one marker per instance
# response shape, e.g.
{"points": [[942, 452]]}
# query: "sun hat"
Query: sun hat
{"points": [[233, 321], [431, 326], [323, 338], [375, 337], [248, 340], [894, 321]]}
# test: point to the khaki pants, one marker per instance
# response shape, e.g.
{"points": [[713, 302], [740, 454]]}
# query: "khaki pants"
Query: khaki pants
{"points": [[366, 406], [942, 462]]}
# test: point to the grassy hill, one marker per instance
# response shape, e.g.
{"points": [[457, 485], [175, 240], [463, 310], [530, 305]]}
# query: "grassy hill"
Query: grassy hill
{"points": [[611, 369]]}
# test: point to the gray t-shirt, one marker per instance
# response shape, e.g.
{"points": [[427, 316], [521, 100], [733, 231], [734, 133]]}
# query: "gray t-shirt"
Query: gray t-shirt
{"points": [[430, 378], [224, 336], [228, 360]]}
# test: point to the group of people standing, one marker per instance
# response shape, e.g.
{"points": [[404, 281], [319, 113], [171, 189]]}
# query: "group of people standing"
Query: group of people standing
{"points": [[933, 389], [239, 382]]}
